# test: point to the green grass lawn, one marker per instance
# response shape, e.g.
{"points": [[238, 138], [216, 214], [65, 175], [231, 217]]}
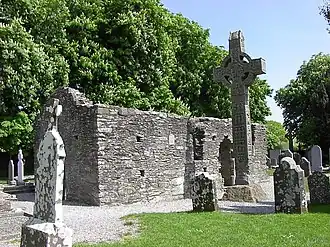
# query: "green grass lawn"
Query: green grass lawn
{"points": [[228, 229], [3, 180]]}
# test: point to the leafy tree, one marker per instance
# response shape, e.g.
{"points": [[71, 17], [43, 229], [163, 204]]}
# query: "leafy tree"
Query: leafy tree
{"points": [[15, 132], [275, 135], [28, 76], [325, 11], [130, 53], [259, 91], [28, 73], [305, 102]]}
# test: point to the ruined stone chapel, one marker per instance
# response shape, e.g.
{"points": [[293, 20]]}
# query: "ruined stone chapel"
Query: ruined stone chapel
{"points": [[117, 155]]}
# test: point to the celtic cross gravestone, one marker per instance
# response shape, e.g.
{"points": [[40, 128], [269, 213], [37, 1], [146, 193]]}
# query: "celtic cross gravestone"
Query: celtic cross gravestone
{"points": [[238, 71], [47, 227]]}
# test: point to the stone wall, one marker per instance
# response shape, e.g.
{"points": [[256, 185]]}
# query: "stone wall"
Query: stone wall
{"points": [[78, 127], [141, 155], [204, 137], [118, 155], [258, 162]]}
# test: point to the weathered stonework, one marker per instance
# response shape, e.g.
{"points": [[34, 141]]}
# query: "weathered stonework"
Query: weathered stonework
{"points": [[204, 192], [5, 204], [41, 234], [11, 173], [289, 187], [49, 175], [285, 153], [227, 162], [20, 167], [319, 188], [306, 166], [238, 71], [316, 158], [244, 193], [46, 228], [118, 155], [268, 162], [297, 158], [258, 160], [273, 154]]}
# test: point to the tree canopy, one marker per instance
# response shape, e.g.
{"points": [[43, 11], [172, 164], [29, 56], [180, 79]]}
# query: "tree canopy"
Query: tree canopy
{"points": [[130, 53], [325, 11], [275, 135], [305, 102]]}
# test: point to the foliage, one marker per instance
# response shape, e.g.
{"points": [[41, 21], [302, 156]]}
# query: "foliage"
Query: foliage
{"points": [[325, 11], [305, 102], [259, 90], [130, 53], [15, 133], [28, 74], [275, 135], [228, 230]]}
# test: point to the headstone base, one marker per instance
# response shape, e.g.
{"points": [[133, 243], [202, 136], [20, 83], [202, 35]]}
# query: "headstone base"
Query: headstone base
{"points": [[5, 204], [39, 234], [244, 193], [11, 182]]}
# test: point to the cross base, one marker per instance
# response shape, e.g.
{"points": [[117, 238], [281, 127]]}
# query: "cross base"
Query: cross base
{"points": [[47, 234]]}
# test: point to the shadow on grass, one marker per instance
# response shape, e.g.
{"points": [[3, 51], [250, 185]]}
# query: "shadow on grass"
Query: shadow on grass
{"points": [[253, 209], [25, 197], [319, 208]]}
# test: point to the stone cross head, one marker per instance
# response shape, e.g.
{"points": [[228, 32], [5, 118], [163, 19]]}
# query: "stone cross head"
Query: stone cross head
{"points": [[238, 68], [53, 111]]}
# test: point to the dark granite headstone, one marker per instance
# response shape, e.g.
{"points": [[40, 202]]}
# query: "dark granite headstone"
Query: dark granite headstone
{"points": [[297, 158], [289, 187], [268, 162], [204, 193], [273, 163], [285, 153], [306, 166], [319, 188]]}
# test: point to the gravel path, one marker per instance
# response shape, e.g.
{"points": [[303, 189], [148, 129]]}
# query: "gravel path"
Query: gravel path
{"points": [[96, 224]]}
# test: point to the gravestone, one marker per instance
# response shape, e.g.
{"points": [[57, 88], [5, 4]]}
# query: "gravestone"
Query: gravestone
{"points": [[20, 168], [306, 166], [238, 71], [316, 158], [297, 158], [204, 193], [289, 187], [285, 153], [227, 162], [268, 162], [273, 163], [46, 227], [274, 153], [11, 172], [319, 188]]}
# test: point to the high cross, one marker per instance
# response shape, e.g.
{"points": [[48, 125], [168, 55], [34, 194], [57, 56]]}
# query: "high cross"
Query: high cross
{"points": [[238, 71]]}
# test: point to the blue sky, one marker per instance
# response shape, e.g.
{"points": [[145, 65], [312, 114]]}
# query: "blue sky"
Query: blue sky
{"points": [[283, 32]]}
